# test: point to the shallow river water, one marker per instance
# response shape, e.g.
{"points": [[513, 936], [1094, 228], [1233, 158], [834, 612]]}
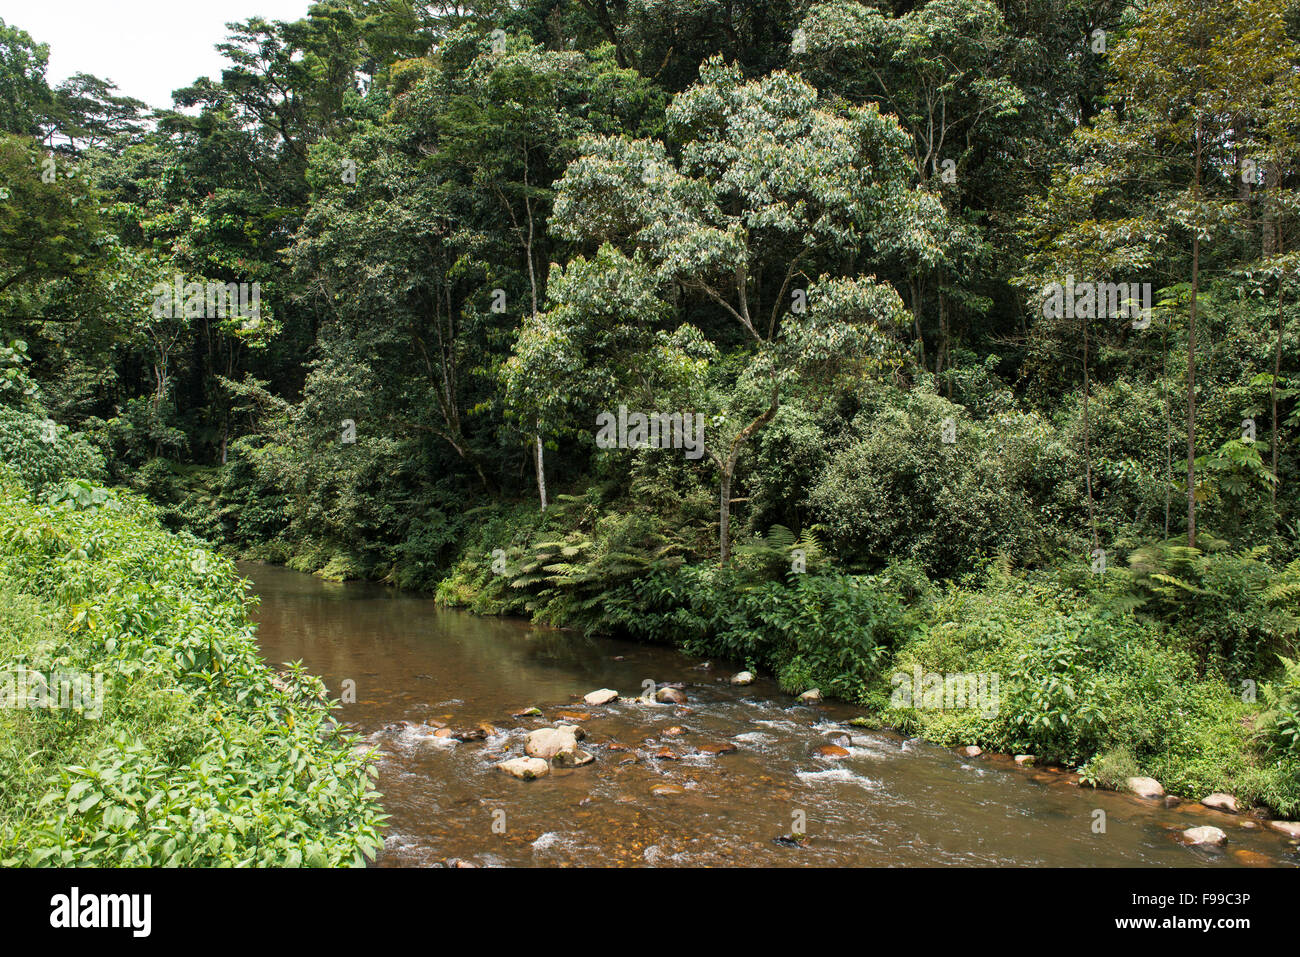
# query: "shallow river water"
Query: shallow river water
{"points": [[891, 801]]}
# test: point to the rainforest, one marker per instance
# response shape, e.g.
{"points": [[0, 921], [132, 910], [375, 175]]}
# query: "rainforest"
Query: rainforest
{"points": [[781, 355]]}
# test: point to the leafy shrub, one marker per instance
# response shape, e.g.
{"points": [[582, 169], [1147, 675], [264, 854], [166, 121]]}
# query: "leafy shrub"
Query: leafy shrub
{"points": [[1236, 610], [40, 453], [896, 490], [1086, 684], [201, 756], [1281, 722], [829, 631]]}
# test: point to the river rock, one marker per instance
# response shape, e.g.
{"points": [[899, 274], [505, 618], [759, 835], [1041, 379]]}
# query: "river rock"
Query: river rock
{"points": [[832, 751], [670, 696], [603, 696], [1145, 787], [525, 768], [972, 751], [667, 754], [742, 678], [573, 759], [1289, 828], [674, 731], [1220, 802], [1024, 759], [1252, 858], [469, 734], [722, 747], [573, 729], [548, 743], [811, 695], [527, 713], [666, 790], [443, 733], [1205, 836]]}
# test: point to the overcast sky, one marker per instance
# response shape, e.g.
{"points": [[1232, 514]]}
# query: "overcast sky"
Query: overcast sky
{"points": [[147, 47]]}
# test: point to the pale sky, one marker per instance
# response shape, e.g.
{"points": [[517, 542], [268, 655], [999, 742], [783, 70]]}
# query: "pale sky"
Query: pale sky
{"points": [[147, 47]]}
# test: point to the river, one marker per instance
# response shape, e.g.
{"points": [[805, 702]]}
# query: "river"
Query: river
{"points": [[655, 795]]}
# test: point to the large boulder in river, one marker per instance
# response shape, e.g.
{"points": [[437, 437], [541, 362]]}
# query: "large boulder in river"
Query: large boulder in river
{"points": [[1289, 828], [525, 768], [742, 678], [1145, 787], [1205, 836], [603, 696], [670, 696], [1220, 802], [546, 743], [811, 695]]}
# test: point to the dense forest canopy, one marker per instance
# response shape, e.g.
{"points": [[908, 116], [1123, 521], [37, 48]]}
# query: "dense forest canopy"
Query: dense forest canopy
{"points": [[962, 292]]}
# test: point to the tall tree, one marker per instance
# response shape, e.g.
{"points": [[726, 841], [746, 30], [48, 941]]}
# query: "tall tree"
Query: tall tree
{"points": [[771, 192]]}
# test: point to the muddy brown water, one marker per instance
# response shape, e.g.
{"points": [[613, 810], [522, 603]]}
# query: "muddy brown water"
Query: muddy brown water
{"points": [[890, 801]]}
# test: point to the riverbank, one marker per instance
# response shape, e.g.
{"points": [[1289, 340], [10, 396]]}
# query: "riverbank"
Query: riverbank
{"points": [[141, 726], [1092, 672]]}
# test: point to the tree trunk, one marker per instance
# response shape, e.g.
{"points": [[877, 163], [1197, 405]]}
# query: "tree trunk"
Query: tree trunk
{"points": [[1191, 393], [914, 285], [724, 513], [1087, 439], [1169, 429], [1277, 367], [1191, 350], [540, 461], [728, 469]]}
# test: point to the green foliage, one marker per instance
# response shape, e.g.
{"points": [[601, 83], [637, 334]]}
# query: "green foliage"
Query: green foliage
{"points": [[828, 631], [1083, 683], [823, 226], [41, 453], [894, 488], [1057, 704], [201, 755], [1235, 608], [1281, 720]]}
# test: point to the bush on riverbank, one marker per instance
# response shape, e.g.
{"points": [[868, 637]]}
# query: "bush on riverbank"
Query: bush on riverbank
{"points": [[41, 453], [201, 756], [1087, 685]]}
